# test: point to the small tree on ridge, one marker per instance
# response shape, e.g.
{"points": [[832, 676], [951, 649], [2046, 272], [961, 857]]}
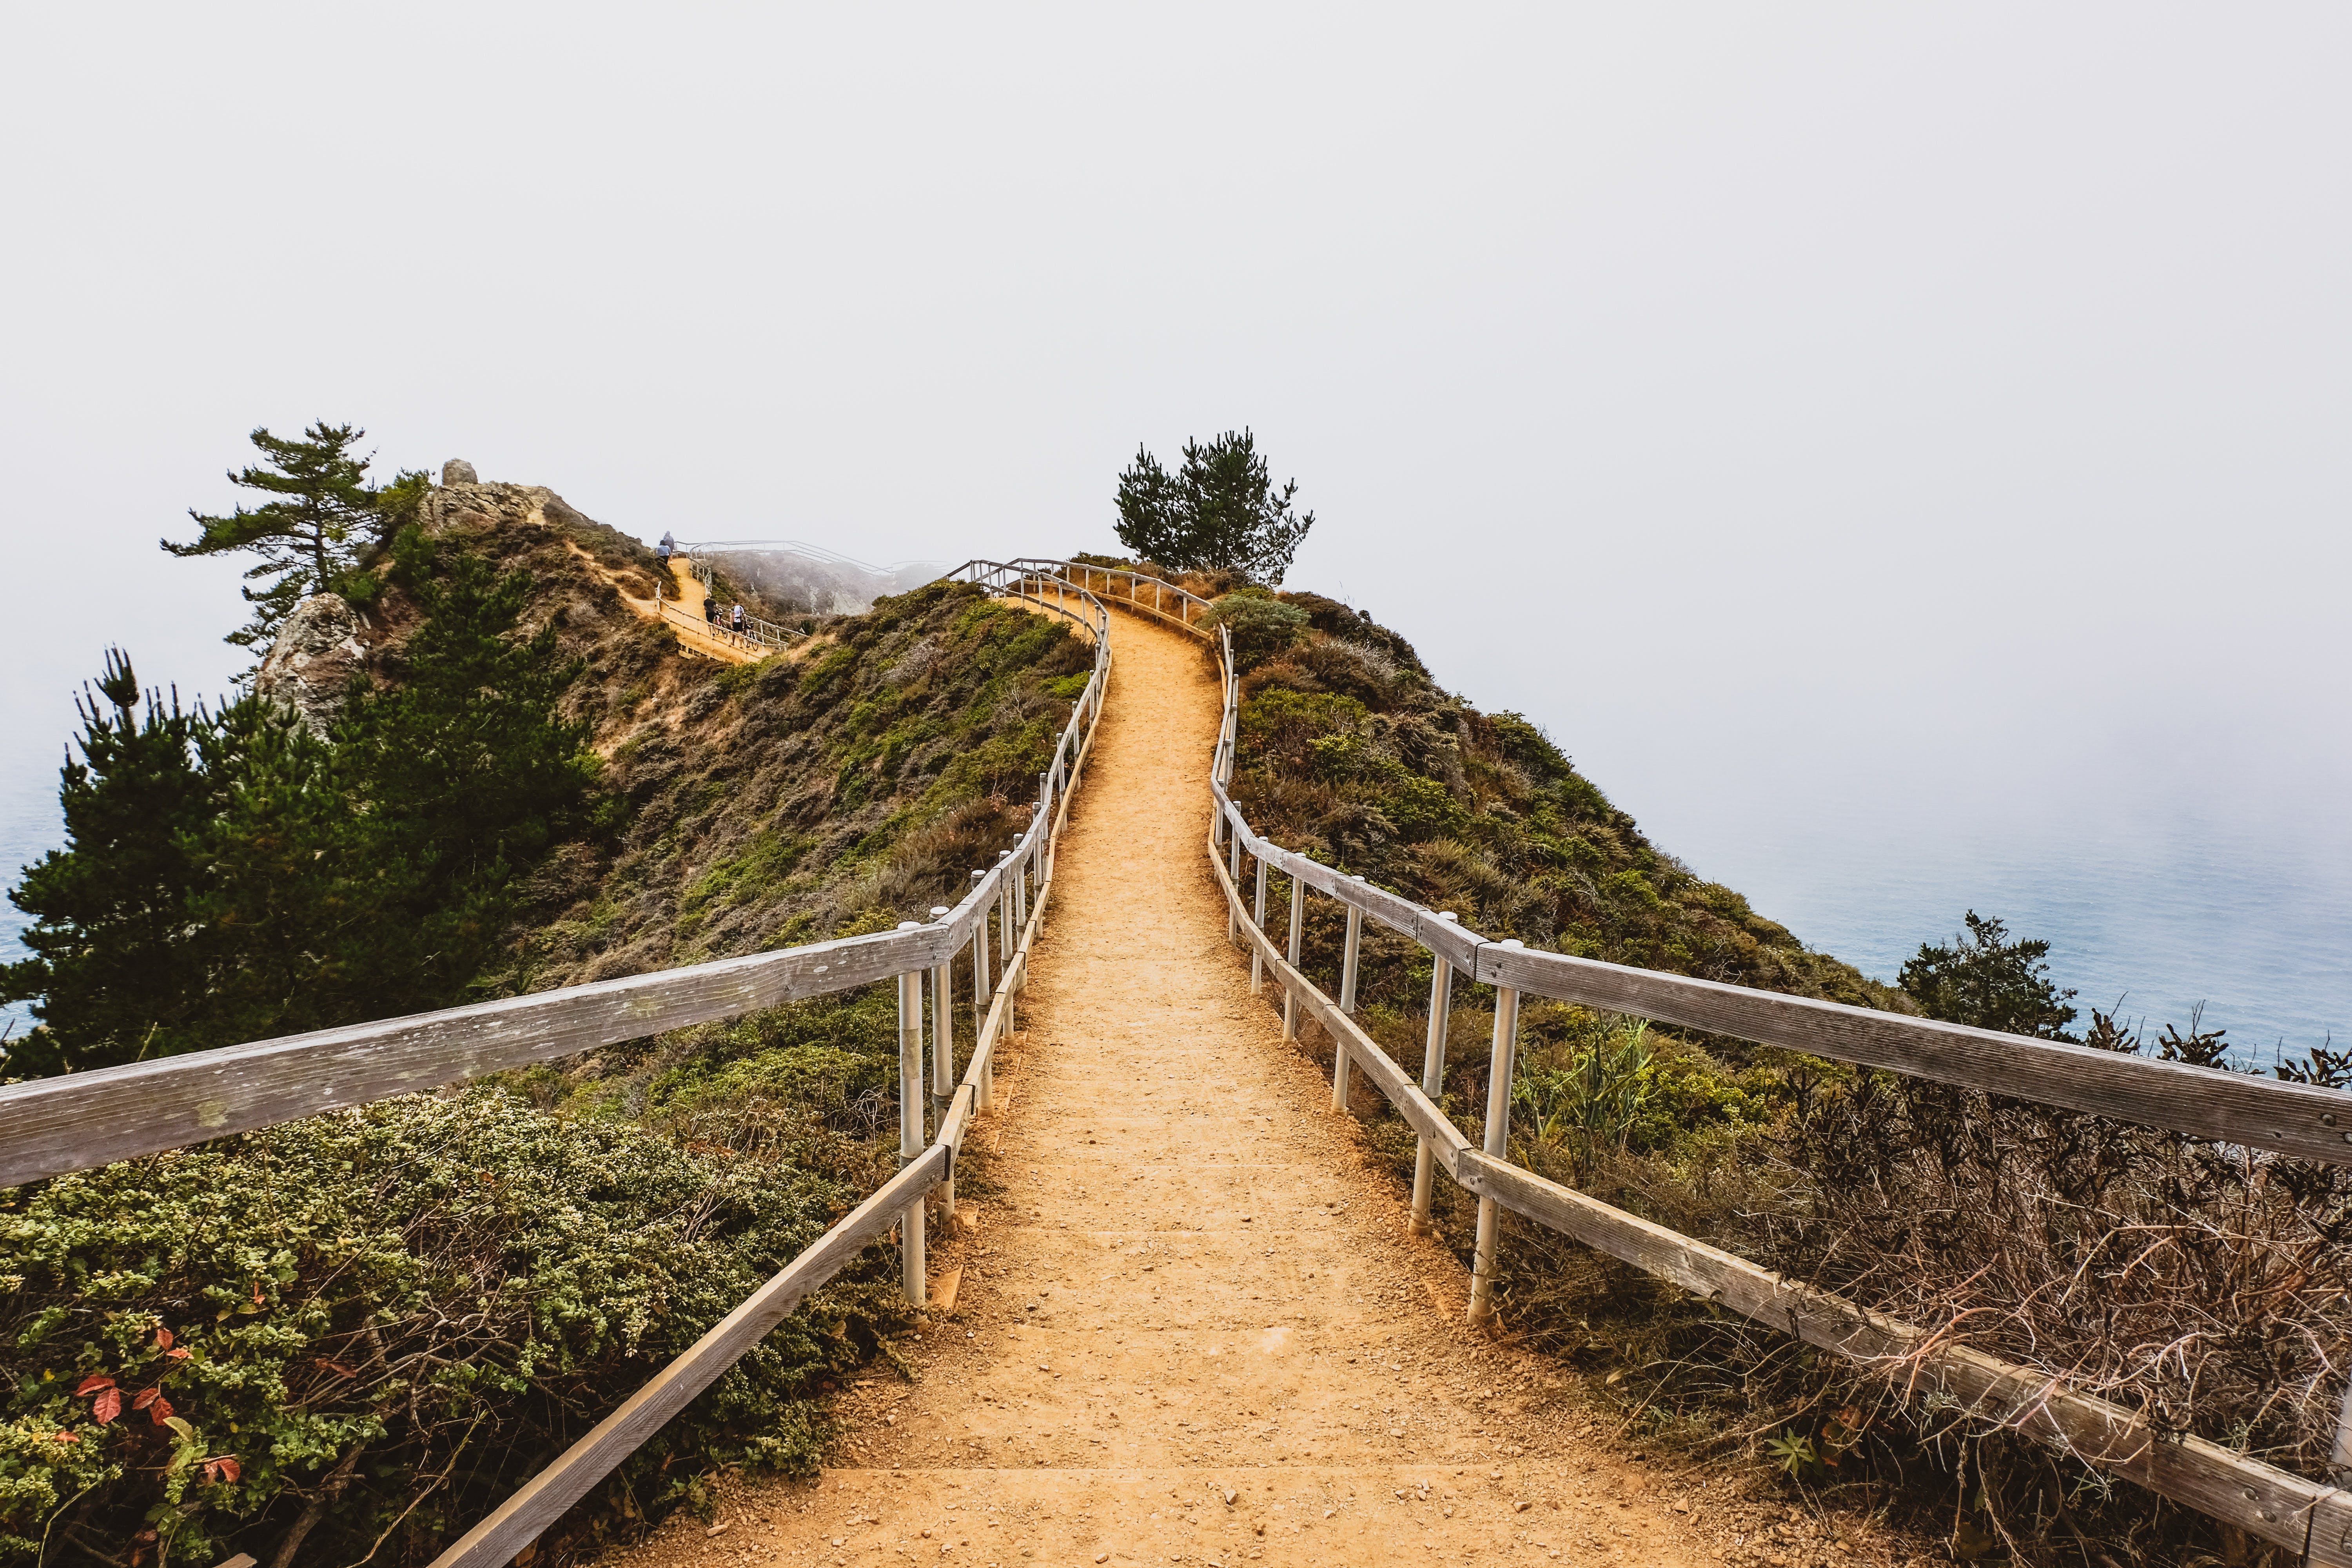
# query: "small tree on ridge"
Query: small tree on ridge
{"points": [[304, 535], [1219, 511]]}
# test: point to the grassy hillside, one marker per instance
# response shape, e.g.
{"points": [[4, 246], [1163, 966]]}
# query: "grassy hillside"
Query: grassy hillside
{"points": [[1351, 753], [2186, 1279], [353, 1335]]}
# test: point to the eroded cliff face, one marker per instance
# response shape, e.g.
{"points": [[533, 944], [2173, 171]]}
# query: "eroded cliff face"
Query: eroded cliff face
{"points": [[580, 568], [311, 666]]}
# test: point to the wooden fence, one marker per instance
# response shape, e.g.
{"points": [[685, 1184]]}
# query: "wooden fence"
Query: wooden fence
{"points": [[2295, 1119], [53, 1126]]}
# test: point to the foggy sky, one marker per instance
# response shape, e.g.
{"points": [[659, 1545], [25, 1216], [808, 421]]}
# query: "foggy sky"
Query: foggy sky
{"points": [[1853, 432]]}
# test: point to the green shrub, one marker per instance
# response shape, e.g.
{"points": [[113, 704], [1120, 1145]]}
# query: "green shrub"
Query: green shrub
{"points": [[1261, 627], [408, 1308]]}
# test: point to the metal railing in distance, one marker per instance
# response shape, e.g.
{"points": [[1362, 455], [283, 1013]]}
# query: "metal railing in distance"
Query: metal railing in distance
{"points": [[754, 632], [52, 1126], [1140, 591], [2295, 1120]]}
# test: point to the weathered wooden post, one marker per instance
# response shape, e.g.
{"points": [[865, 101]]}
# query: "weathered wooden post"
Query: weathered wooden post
{"points": [[1257, 954], [942, 1028], [914, 1276], [1497, 1143], [1007, 927], [1432, 1083], [1233, 918], [981, 992], [1342, 1070], [1289, 992], [1046, 784]]}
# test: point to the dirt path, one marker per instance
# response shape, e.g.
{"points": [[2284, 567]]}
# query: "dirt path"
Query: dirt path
{"points": [[1190, 1327], [684, 615]]}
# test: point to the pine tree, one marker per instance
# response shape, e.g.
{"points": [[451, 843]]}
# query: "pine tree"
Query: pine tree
{"points": [[308, 538], [469, 769], [284, 922], [111, 978], [1985, 980], [1220, 512]]}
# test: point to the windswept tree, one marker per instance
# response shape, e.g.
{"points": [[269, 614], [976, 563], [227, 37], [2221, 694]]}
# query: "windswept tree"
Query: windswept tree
{"points": [[1219, 511], [309, 535], [1990, 981]]}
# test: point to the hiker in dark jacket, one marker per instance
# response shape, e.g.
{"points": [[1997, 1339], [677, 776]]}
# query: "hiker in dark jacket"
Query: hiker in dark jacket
{"points": [[668, 548], [710, 609]]}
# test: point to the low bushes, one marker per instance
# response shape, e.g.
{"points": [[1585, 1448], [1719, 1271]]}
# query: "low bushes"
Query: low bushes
{"points": [[2207, 1287], [356, 1332]]}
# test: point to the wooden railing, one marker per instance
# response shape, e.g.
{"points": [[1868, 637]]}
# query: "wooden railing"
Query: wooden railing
{"points": [[2288, 1119], [52, 1126], [754, 632]]}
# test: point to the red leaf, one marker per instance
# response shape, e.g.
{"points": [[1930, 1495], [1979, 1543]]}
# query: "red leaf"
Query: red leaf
{"points": [[338, 1368], [92, 1383], [256, 1293], [146, 1396], [68, 1437], [176, 1355], [159, 1411], [109, 1406], [229, 1468], [162, 1339]]}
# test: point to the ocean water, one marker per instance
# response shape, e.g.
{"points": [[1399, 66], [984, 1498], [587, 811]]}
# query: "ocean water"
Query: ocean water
{"points": [[29, 827], [2246, 927]]}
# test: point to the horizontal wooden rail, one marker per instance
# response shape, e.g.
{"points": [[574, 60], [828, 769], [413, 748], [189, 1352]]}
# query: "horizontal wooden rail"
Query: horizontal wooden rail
{"points": [[52, 1126], [2298, 1119], [543, 1498], [2262, 1499]]}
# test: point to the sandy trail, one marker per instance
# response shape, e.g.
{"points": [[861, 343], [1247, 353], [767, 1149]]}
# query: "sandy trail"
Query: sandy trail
{"points": [[1190, 1327], [684, 613]]}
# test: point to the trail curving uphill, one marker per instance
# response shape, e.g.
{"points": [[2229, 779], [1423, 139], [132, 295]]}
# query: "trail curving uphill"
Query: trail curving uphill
{"points": [[683, 611], [1190, 1325]]}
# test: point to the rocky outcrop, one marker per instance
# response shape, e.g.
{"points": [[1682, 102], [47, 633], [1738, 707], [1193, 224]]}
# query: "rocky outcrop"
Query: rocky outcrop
{"points": [[457, 471], [311, 665], [470, 508]]}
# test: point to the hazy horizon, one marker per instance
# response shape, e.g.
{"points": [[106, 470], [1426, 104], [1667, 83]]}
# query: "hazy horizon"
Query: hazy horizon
{"points": [[1897, 453]]}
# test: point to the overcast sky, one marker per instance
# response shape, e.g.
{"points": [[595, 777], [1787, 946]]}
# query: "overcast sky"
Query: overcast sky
{"points": [[1854, 432]]}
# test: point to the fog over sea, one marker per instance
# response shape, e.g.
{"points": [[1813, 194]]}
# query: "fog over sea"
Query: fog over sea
{"points": [[1898, 452]]}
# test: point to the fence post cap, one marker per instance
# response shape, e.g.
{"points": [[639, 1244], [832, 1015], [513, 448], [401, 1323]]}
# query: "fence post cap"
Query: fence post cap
{"points": [[1510, 942], [910, 925], [1004, 855], [938, 909], [1447, 915], [977, 873]]}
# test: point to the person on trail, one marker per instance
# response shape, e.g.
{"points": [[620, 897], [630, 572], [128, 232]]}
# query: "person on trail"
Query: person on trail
{"points": [[710, 609], [668, 548], [739, 618]]}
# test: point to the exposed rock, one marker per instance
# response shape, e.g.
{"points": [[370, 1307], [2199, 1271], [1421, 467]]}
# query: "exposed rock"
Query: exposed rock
{"points": [[457, 471], [458, 506], [312, 663]]}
